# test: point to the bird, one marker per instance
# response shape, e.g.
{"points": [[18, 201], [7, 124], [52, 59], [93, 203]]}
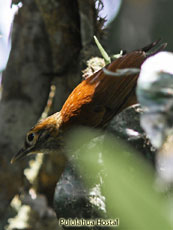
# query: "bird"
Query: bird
{"points": [[93, 103]]}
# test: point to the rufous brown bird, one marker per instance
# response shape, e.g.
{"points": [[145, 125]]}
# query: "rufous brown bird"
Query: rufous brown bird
{"points": [[94, 102]]}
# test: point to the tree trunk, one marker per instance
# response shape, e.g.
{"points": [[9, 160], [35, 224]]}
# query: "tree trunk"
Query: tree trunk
{"points": [[49, 41]]}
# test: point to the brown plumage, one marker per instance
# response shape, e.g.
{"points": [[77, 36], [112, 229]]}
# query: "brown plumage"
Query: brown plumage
{"points": [[92, 103], [101, 95]]}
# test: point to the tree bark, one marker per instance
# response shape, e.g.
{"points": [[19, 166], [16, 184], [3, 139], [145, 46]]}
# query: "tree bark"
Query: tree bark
{"points": [[25, 91], [48, 43]]}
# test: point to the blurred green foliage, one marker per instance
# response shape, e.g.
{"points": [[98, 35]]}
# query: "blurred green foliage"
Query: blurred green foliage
{"points": [[129, 182]]}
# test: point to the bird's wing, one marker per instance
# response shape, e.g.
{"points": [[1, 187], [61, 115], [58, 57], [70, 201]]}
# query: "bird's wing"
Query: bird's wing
{"points": [[116, 93], [101, 96]]}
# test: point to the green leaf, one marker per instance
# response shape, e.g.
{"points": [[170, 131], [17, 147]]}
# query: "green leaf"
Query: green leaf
{"points": [[129, 185], [102, 51]]}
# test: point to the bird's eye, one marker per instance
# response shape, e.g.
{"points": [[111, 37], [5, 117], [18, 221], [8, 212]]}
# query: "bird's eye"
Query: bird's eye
{"points": [[30, 138]]}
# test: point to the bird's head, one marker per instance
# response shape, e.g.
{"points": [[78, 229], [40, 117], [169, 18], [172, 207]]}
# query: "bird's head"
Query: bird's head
{"points": [[44, 137]]}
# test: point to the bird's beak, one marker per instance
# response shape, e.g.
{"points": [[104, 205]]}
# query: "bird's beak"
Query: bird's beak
{"points": [[21, 154]]}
